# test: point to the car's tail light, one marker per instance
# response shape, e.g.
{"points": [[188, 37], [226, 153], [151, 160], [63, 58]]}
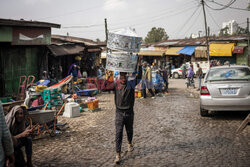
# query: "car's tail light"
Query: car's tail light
{"points": [[204, 91]]}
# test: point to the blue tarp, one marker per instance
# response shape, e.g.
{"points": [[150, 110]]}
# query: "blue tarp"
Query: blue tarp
{"points": [[187, 50]]}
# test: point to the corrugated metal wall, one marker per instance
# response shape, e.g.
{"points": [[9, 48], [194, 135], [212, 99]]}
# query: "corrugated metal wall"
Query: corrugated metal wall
{"points": [[15, 62], [242, 59]]}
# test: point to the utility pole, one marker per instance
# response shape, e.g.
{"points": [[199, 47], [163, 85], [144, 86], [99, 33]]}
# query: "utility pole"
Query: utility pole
{"points": [[248, 41], [205, 20], [248, 25], [106, 30]]}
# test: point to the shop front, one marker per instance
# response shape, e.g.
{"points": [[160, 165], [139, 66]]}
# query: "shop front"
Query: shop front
{"points": [[222, 52], [176, 59]]}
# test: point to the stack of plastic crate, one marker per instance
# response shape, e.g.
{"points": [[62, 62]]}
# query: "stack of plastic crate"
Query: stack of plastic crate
{"points": [[53, 97]]}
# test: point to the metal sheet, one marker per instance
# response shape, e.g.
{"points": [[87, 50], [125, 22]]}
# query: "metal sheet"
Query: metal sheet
{"points": [[16, 62], [121, 61], [31, 36], [25, 23], [238, 49], [5, 34], [123, 42], [61, 50]]}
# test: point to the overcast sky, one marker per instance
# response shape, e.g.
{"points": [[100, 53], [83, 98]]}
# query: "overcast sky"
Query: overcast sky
{"points": [[179, 18]]}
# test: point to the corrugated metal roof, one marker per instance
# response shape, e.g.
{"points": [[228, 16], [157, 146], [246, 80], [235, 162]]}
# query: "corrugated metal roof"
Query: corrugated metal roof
{"points": [[200, 41], [25, 23], [64, 39], [68, 49], [167, 43]]}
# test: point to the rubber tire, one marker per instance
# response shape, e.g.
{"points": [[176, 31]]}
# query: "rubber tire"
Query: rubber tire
{"points": [[176, 75], [203, 112]]}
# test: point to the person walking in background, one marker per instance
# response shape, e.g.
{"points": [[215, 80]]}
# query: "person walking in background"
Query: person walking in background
{"points": [[199, 74], [164, 74], [6, 148], [184, 70], [191, 75], [147, 80], [169, 70]]}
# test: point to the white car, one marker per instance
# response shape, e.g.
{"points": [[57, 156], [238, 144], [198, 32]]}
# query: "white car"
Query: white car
{"points": [[225, 88], [176, 73]]}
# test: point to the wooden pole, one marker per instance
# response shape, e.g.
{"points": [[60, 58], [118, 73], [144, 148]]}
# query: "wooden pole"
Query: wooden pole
{"points": [[206, 29]]}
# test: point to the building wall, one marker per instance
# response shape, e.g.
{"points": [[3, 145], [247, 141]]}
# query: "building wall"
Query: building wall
{"points": [[242, 59], [5, 34], [17, 61], [232, 25]]}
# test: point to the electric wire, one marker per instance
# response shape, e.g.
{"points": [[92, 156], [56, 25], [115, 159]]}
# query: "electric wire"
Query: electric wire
{"points": [[229, 6], [193, 23], [165, 11], [159, 18], [224, 6], [159, 15], [211, 16], [182, 27]]}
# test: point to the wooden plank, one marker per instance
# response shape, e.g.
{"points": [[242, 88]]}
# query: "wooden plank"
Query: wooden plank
{"points": [[243, 124]]}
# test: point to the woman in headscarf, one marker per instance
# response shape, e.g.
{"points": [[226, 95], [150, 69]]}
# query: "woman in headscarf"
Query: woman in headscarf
{"points": [[15, 120]]}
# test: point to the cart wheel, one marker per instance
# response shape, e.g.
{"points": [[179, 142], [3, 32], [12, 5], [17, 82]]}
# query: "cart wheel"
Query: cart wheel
{"points": [[52, 133]]}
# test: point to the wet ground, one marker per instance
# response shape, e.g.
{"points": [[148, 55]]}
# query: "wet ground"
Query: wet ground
{"points": [[168, 131]]}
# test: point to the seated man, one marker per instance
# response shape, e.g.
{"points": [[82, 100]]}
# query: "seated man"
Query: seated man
{"points": [[15, 120]]}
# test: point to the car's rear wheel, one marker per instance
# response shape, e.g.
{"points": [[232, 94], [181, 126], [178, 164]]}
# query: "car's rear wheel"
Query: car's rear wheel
{"points": [[203, 112], [176, 75]]}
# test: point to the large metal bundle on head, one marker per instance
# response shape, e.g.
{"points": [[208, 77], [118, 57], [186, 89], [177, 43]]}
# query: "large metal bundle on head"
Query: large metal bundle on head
{"points": [[123, 44], [121, 61]]}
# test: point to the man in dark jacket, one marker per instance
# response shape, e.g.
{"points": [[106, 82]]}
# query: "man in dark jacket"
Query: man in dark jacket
{"points": [[164, 74], [124, 101]]}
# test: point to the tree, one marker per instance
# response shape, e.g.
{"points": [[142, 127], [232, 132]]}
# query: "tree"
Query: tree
{"points": [[156, 35], [240, 30], [98, 40]]}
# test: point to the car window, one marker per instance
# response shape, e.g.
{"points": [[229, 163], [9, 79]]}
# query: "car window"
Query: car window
{"points": [[228, 74]]}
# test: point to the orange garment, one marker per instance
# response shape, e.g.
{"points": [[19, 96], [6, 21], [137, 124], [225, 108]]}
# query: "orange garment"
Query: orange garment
{"points": [[109, 75]]}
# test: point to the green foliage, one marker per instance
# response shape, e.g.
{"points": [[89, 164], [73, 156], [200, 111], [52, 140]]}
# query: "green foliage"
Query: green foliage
{"points": [[156, 35], [98, 40], [224, 31], [241, 30]]}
